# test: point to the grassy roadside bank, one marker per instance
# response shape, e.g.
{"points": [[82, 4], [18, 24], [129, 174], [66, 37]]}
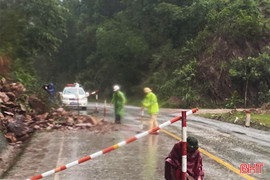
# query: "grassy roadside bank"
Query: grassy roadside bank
{"points": [[259, 119]]}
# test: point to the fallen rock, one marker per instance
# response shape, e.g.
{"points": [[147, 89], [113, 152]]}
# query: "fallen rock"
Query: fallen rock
{"points": [[42, 117], [90, 119], [11, 137], [70, 121], [84, 125], [1, 115], [17, 88], [37, 105], [8, 113], [17, 126], [3, 97], [11, 96]]}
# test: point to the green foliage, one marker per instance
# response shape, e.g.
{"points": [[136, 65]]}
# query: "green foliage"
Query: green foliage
{"points": [[160, 44], [179, 83], [117, 42], [29, 29], [187, 75], [252, 70], [23, 72], [181, 23], [233, 101], [248, 26], [118, 54], [246, 69], [45, 21], [240, 21], [264, 93]]}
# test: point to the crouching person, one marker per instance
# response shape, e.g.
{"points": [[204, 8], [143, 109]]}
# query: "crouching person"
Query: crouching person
{"points": [[173, 163]]}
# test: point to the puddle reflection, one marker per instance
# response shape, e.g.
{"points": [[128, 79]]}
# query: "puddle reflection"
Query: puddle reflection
{"points": [[151, 165]]}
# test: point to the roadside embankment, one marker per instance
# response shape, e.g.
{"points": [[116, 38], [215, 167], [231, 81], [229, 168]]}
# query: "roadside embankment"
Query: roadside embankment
{"points": [[260, 117]]}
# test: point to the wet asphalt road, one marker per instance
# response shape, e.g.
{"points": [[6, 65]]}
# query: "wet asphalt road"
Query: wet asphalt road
{"points": [[144, 158]]}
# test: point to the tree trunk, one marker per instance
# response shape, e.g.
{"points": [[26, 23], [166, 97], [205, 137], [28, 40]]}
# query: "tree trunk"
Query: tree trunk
{"points": [[246, 91]]}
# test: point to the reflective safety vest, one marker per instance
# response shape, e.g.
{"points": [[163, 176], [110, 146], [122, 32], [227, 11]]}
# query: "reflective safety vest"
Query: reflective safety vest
{"points": [[151, 103]]}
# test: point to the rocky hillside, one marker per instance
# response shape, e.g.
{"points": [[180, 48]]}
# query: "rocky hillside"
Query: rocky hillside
{"points": [[21, 114]]}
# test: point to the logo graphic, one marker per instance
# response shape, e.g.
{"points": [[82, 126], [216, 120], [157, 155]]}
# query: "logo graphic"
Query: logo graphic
{"points": [[247, 168]]}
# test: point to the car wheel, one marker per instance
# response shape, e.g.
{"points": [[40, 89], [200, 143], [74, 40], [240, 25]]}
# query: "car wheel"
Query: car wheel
{"points": [[84, 108]]}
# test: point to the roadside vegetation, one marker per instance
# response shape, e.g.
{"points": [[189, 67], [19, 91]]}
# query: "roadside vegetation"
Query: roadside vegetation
{"points": [[207, 53], [259, 118]]}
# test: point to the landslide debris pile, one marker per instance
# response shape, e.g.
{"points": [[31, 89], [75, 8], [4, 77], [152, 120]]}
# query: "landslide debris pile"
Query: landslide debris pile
{"points": [[21, 114]]}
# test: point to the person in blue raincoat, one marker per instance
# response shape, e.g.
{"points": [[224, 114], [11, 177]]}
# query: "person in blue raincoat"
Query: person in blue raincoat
{"points": [[50, 90], [118, 100]]}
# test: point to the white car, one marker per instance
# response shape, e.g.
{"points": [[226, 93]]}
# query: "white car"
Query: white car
{"points": [[74, 96]]}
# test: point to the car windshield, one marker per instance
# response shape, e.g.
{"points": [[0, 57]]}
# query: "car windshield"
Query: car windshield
{"points": [[72, 90]]}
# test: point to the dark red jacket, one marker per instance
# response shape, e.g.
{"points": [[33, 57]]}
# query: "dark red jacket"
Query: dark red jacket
{"points": [[173, 163]]}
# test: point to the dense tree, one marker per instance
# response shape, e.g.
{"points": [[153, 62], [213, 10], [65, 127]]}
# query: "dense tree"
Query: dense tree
{"points": [[29, 29], [252, 72], [182, 49]]}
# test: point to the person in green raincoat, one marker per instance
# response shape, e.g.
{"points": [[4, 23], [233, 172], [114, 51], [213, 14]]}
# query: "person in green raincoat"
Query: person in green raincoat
{"points": [[151, 103], [118, 100]]}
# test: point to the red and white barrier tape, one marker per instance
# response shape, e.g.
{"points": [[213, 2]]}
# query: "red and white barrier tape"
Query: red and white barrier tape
{"points": [[94, 92], [184, 145], [96, 110], [111, 148]]}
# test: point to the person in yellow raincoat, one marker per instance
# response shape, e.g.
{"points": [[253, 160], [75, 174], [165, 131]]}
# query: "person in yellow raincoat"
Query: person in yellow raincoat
{"points": [[118, 100], [151, 103]]}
